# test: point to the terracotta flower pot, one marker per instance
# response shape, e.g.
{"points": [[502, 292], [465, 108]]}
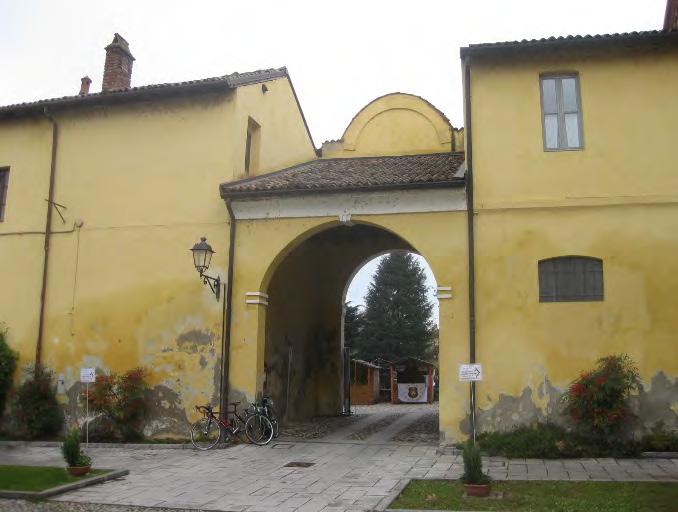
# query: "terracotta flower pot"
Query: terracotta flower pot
{"points": [[78, 470], [478, 491]]}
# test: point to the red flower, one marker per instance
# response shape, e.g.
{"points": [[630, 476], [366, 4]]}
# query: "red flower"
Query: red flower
{"points": [[600, 380]]}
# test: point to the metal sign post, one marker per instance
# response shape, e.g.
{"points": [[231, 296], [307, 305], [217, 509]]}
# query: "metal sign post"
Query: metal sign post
{"points": [[471, 373], [87, 375]]}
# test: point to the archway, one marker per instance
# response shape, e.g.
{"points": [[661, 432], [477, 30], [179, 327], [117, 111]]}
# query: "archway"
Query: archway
{"points": [[303, 356], [303, 350]]}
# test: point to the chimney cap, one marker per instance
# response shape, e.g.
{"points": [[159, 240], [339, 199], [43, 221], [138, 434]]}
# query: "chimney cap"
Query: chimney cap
{"points": [[120, 43], [86, 79]]}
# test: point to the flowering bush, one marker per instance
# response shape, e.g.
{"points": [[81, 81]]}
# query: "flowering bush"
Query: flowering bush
{"points": [[36, 409], [597, 402], [122, 401]]}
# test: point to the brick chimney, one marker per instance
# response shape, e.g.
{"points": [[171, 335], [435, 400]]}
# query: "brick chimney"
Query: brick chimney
{"points": [[671, 16], [118, 65], [85, 82]]}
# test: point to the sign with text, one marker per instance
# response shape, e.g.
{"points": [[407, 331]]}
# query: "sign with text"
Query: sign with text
{"points": [[470, 372], [87, 375]]}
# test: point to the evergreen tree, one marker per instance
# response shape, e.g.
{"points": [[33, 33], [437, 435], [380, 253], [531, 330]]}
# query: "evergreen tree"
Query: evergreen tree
{"points": [[354, 323], [397, 319]]}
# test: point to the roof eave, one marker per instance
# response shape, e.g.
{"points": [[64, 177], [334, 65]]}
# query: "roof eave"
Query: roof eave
{"points": [[573, 42], [255, 194]]}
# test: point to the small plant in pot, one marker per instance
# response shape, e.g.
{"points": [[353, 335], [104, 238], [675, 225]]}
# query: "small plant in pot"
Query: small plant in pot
{"points": [[476, 483], [78, 462]]}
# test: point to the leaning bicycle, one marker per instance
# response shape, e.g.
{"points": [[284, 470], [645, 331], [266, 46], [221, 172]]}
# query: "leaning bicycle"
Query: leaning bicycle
{"points": [[208, 431]]}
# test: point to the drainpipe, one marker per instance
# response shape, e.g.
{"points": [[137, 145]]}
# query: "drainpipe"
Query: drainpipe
{"points": [[48, 238], [471, 238], [228, 300]]}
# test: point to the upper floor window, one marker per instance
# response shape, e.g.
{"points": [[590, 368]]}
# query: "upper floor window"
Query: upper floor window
{"points": [[561, 112], [570, 279], [252, 146], [4, 180]]}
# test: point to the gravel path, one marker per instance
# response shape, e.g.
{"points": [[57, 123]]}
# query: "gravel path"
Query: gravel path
{"points": [[424, 430]]}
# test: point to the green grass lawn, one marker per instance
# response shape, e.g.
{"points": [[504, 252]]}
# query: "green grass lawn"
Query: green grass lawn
{"points": [[32, 478], [544, 496]]}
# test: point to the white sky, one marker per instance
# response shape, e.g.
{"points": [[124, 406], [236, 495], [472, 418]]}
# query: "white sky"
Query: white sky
{"points": [[340, 54]]}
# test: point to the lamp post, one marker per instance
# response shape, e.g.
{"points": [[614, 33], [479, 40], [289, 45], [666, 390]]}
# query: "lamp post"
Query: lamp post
{"points": [[202, 255]]}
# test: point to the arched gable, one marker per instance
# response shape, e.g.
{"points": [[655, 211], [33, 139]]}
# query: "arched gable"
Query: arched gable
{"points": [[394, 124]]}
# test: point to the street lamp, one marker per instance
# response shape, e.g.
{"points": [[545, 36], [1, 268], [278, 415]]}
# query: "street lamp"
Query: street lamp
{"points": [[202, 255]]}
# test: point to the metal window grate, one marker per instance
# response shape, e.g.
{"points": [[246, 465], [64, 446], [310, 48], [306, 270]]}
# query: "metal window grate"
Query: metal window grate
{"points": [[571, 279]]}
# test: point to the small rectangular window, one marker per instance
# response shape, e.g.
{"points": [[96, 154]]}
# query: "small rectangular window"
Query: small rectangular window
{"points": [[561, 112], [252, 142], [4, 181], [570, 279]]}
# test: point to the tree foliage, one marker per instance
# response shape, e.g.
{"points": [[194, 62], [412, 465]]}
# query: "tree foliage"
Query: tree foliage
{"points": [[36, 408], [8, 362], [397, 320]]}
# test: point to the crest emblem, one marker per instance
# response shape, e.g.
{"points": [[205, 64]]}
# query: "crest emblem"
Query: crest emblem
{"points": [[412, 392]]}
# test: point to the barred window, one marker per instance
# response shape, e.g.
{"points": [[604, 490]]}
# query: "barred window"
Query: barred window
{"points": [[4, 180], [570, 279]]}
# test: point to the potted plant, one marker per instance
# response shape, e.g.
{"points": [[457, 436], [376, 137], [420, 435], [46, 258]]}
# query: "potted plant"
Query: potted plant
{"points": [[476, 483], [78, 462]]}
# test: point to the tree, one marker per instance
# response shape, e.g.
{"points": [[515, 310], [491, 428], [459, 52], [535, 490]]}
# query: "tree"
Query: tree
{"points": [[354, 323], [397, 319]]}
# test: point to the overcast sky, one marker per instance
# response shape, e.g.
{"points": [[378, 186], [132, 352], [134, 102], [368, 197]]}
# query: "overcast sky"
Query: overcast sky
{"points": [[340, 54]]}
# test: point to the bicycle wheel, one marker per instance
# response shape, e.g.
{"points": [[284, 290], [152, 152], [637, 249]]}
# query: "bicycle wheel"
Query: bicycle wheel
{"points": [[259, 430], [205, 433]]}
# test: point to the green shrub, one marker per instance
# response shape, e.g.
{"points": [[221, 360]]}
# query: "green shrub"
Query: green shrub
{"points": [[36, 408], [8, 361], [473, 466], [549, 441], [121, 399], [71, 448], [660, 439], [598, 401]]}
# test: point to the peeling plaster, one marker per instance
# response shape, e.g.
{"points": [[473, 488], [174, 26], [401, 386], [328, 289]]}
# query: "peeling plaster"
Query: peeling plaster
{"points": [[656, 402]]}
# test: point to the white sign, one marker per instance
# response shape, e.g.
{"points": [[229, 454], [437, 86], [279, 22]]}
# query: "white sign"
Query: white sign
{"points": [[470, 372], [87, 375]]}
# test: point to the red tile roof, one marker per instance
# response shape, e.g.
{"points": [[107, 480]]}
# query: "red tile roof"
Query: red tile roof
{"points": [[147, 91], [354, 174]]}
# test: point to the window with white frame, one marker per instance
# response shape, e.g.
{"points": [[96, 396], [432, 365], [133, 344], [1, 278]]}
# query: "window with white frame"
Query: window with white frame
{"points": [[561, 112]]}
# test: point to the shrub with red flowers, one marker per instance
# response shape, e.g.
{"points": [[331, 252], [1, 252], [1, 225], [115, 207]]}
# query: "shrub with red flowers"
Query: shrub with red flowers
{"points": [[121, 400], [598, 401], [37, 412]]}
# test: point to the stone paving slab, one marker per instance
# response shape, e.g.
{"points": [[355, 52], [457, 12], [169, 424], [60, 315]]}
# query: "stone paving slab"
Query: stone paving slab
{"points": [[345, 476]]}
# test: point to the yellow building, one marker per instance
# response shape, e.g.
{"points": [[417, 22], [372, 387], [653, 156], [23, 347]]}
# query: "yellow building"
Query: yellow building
{"points": [[565, 165]]}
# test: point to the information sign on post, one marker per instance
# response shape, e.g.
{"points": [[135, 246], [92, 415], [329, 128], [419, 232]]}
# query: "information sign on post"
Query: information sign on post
{"points": [[87, 375], [470, 372]]}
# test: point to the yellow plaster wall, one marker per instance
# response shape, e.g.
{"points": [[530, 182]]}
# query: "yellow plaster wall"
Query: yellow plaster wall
{"points": [[395, 124], [122, 290], [284, 140], [439, 237], [616, 200], [629, 113]]}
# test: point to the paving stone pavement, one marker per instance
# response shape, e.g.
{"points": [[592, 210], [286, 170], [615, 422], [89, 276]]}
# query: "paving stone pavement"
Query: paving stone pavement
{"points": [[345, 476]]}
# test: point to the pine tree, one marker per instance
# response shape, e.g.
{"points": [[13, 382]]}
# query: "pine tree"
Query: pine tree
{"points": [[397, 319], [354, 323]]}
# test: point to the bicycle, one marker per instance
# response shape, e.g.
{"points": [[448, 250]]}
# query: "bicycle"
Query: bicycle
{"points": [[265, 407], [209, 430]]}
